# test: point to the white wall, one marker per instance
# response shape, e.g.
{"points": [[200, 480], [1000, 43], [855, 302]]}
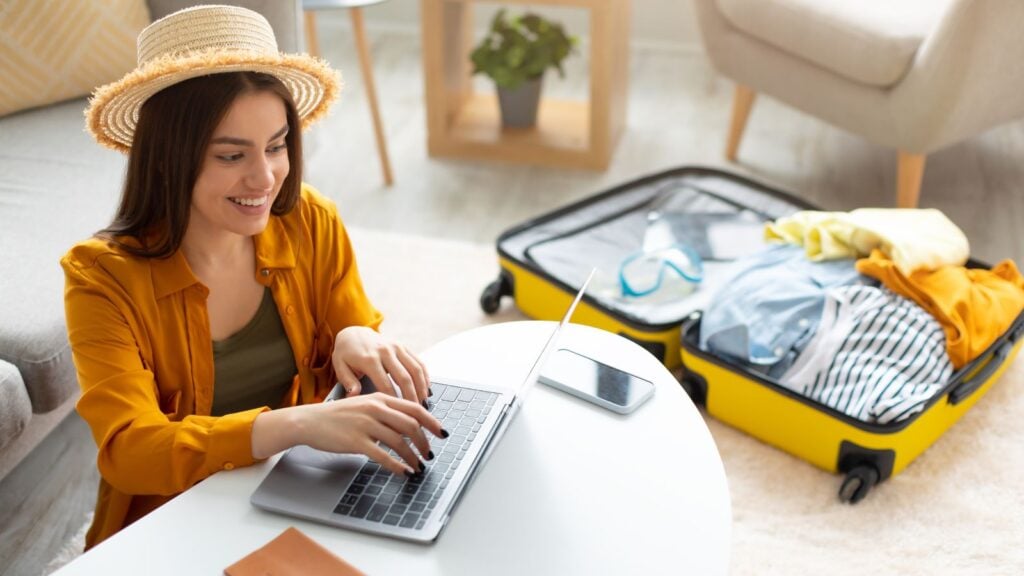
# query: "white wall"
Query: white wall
{"points": [[658, 22]]}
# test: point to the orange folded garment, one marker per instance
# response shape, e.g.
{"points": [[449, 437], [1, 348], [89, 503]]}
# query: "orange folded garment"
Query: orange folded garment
{"points": [[292, 553], [974, 306]]}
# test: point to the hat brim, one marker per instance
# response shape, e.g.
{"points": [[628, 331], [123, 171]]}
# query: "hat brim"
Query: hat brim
{"points": [[114, 108]]}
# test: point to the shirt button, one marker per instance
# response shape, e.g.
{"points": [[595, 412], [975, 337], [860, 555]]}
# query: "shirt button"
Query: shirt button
{"points": [[778, 351], [265, 272], [229, 466], [305, 361], [289, 310], [803, 323]]}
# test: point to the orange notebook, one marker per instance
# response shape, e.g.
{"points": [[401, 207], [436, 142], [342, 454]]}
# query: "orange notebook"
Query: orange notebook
{"points": [[292, 553]]}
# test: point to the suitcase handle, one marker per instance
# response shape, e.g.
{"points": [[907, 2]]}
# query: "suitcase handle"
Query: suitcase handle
{"points": [[967, 387]]}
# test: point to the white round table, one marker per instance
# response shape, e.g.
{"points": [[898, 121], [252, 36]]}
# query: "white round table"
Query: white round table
{"points": [[571, 488]]}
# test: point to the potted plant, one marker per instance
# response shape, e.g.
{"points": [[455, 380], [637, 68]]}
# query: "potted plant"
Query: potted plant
{"points": [[515, 54]]}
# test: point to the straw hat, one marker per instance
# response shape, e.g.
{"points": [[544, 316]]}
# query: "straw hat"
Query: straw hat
{"points": [[196, 42]]}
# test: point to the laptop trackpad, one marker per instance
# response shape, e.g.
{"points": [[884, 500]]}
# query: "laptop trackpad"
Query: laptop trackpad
{"points": [[339, 463], [307, 482]]}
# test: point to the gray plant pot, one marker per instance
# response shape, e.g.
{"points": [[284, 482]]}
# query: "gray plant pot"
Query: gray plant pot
{"points": [[519, 105]]}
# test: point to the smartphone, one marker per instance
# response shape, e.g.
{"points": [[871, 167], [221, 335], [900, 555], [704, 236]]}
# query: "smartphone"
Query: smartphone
{"points": [[595, 382]]}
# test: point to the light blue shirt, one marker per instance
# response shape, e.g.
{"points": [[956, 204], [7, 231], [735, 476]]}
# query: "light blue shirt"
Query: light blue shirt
{"points": [[767, 312]]}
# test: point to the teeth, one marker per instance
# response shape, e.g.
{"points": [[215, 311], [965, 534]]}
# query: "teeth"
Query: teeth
{"points": [[250, 201]]}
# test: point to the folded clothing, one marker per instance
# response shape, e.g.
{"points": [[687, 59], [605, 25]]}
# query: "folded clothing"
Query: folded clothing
{"points": [[764, 314], [876, 356], [914, 239], [974, 306]]}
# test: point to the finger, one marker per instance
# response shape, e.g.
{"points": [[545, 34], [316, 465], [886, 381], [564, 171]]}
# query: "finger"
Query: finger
{"points": [[396, 442], [426, 374], [420, 414], [401, 376], [381, 456], [406, 426], [379, 376], [416, 369], [348, 380]]}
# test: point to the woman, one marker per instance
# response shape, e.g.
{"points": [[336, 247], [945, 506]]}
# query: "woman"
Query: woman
{"points": [[224, 286]]}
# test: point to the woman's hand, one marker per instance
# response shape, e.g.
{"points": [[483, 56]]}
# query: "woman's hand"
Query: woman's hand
{"points": [[360, 351], [352, 425]]}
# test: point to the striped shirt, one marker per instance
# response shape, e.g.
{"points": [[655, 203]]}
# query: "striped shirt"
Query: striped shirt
{"points": [[876, 356]]}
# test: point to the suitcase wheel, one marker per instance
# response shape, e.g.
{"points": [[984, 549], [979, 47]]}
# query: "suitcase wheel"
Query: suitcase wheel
{"points": [[695, 387], [858, 482], [490, 299]]}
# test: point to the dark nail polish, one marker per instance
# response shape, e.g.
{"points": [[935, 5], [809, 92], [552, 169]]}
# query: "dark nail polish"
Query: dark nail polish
{"points": [[424, 404], [430, 391], [423, 467], [430, 455], [410, 474], [444, 433]]}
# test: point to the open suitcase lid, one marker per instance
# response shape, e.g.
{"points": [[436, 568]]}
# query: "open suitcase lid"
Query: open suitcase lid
{"points": [[718, 215]]}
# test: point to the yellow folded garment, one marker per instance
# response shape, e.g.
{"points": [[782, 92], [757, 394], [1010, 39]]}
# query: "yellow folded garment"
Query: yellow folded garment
{"points": [[974, 306], [914, 239]]}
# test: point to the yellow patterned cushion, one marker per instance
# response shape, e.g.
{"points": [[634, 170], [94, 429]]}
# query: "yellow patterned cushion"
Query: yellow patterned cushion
{"points": [[53, 50]]}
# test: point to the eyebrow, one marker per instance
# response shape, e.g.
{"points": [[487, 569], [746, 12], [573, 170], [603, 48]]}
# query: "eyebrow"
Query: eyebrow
{"points": [[244, 142]]}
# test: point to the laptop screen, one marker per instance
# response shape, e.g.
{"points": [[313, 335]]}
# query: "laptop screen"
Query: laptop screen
{"points": [[531, 378]]}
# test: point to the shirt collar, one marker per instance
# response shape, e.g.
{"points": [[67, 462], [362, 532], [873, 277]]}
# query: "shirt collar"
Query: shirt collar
{"points": [[274, 250], [171, 274], [274, 246]]}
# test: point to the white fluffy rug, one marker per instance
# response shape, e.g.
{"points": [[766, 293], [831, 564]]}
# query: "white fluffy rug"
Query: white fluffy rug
{"points": [[958, 509]]}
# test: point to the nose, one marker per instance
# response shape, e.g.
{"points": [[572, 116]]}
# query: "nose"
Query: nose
{"points": [[261, 174]]}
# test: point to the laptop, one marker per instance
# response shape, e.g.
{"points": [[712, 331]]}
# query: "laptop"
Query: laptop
{"points": [[351, 491]]}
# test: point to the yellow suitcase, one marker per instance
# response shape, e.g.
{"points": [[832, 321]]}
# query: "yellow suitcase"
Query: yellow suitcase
{"points": [[863, 453]]}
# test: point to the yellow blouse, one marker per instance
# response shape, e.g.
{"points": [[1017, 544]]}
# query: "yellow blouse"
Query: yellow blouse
{"points": [[141, 343]]}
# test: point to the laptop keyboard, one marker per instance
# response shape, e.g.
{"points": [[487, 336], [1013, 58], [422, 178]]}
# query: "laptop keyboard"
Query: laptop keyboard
{"points": [[377, 495]]}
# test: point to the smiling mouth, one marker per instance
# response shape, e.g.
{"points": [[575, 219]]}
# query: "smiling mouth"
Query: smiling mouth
{"points": [[252, 202]]}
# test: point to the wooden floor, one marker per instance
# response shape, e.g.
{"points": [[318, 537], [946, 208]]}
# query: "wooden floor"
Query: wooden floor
{"points": [[678, 110]]}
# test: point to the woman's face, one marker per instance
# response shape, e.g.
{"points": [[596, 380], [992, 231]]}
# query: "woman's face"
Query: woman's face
{"points": [[244, 167]]}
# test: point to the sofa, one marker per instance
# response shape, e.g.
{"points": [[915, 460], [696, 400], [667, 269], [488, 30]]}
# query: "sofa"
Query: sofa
{"points": [[57, 187]]}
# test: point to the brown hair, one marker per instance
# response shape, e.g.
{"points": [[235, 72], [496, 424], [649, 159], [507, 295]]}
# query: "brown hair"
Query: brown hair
{"points": [[173, 132]]}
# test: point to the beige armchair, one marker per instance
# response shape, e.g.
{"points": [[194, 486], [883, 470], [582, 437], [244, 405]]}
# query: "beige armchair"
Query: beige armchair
{"points": [[914, 75]]}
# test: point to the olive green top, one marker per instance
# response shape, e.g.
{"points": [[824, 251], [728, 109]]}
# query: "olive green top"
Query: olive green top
{"points": [[253, 367]]}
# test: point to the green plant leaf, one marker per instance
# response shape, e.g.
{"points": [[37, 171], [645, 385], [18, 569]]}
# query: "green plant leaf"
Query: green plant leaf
{"points": [[521, 48]]}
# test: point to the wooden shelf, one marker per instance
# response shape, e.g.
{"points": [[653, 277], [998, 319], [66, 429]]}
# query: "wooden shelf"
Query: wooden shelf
{"points": [[560, 124], [560, 138], [570, 134]]}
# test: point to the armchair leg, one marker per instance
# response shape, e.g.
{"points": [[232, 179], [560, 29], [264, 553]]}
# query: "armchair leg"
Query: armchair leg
{"points": [[909, 173], [742, 101]]}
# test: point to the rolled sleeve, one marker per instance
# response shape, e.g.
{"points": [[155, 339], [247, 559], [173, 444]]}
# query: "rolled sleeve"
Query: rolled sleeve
{"points": [[230, 444]]}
